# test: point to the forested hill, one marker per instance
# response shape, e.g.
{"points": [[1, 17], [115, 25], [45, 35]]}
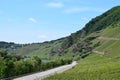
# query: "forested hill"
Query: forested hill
{"points": [[78, 44], [9, 46], [100, 22]]}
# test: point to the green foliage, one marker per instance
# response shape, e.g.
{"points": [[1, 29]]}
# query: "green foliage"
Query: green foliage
{"points": [[67, 42], [9, 47], [103, 21], [3, 53], [10, 67]]}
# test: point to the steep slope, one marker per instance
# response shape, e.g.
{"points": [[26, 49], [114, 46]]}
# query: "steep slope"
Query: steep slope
{"points": [[104, 61], [111, 44], [80, 43], [104, 20]]}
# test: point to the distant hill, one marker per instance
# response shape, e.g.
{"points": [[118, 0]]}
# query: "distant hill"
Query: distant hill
{"points": [[79, 44], [9, 46]]}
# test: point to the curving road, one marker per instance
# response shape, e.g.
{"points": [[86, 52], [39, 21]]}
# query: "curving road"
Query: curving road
{"points": [[44, 74]]}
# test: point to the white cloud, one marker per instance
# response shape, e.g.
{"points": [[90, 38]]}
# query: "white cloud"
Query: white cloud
{"points": [[32, 20], [55, 4], [42, 36], [97, 9], [75, 10], [85, 9], [84, 18]]}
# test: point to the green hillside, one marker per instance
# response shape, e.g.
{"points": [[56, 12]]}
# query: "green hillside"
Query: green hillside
{"points": [[43, 50], [103, 63], [96, 47], [80, 43], [94, 67]]}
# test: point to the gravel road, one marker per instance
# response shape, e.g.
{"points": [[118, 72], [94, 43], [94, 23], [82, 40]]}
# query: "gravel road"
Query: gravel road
{"points": [[47, 73]]}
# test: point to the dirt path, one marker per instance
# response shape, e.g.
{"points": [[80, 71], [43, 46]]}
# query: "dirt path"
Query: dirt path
{"points": [[105, 38], [108, 38], [44, 74], [98, 52]]}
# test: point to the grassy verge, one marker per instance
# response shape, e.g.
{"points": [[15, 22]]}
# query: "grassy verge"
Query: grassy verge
{"points": [[94, 67]]}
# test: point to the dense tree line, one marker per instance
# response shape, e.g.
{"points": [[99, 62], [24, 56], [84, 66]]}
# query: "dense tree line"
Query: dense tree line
{"points": [[14, 65], [103, 21]]}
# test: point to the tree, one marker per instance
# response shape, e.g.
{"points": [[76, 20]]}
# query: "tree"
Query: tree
{"points": [[8, 70], [2, 66], [36, 62]]}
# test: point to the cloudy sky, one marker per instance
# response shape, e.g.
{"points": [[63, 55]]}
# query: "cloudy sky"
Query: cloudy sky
{"points": [[27, 21]]}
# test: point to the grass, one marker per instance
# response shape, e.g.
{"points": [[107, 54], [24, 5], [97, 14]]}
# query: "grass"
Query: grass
{"points": [[112, 31], [94, 67]]}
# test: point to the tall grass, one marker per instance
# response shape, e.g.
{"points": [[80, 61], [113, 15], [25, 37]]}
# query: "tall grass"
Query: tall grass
{"points": [[94, 67]]}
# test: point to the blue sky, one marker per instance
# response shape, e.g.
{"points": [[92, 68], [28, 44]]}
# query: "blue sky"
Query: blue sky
{"points": [[27, 21]]}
